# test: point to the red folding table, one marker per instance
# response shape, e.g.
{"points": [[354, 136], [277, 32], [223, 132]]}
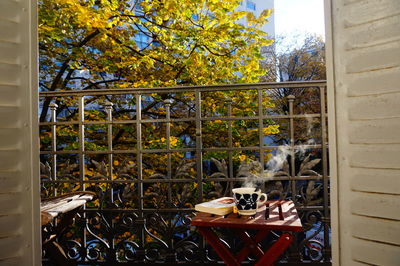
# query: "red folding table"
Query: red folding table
{"points": [[275, 215]]}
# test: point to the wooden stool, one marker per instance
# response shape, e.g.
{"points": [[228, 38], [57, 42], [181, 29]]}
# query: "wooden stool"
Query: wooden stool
{"points": [[68, 205]]}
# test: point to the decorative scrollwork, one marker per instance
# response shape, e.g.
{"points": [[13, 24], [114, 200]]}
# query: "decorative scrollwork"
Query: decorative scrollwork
{"points": [[127, 251], [187, 251], [166, 236], [73, 249]]}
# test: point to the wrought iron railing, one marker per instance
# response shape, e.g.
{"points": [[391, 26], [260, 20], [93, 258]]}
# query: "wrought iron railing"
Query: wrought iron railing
{"points": [[152, 154]]}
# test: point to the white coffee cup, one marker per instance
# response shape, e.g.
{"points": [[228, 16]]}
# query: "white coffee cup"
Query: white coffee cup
{"points": [[247, 200]]}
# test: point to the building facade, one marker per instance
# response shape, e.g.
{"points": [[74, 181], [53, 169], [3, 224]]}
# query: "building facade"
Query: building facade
{"points": [[257, 6]]}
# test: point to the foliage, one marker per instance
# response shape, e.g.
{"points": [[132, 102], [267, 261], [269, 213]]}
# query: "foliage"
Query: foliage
{"points": [[87, 44], [154, 43], [300, 61], [295, 61]]}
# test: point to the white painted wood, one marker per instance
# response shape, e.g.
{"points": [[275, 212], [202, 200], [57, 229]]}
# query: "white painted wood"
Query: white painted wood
{"points": [[12, 261], [356, 263], [10, 10], [375, 180], [331, 103], [364, 132], [9, 52], [11, 202], [375, 83], [7, 115], [382, 9], [375, 253], [10, 223], [10, 73], [375, 60], [19, 173], [374, 107], [9, 157], [381, 230], [371, 34], [8, 96], [350, 2], [9, 181], [10, 246], [12, 135], [375, 205], [382, 131], [7, 34], [374, 156]]}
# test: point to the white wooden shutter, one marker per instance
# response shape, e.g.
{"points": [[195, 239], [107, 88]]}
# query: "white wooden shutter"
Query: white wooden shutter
{"points": [[364, 84], [19, 174]]}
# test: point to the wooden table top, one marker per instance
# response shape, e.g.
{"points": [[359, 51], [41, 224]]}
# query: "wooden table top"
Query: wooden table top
{"points": [[275, 215]]}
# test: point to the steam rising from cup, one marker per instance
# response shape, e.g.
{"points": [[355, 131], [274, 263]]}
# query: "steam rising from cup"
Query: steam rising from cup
{"points": [[251, 170]]}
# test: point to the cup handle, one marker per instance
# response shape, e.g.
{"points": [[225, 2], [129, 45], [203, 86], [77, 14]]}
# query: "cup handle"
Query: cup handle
{"points": [[260, 203]]}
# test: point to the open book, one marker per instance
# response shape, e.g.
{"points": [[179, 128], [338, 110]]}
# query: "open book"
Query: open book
{"points": [[219, 206]]}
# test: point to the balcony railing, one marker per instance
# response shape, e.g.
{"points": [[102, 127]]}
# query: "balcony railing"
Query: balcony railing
{"points": [[152, 154]]}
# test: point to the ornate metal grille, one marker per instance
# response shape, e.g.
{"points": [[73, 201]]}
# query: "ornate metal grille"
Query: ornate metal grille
{"points": [[152, 154]]}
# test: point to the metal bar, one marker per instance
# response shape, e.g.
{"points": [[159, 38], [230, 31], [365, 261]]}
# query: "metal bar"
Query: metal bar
{"points": [[211, 118], [249, 148], [199, 146], [108, 107], [168, 103], [228, 101], [199, 163], [81, 139], [139, 158], [292, 147], [53, 108], [257, 147], [326, 249], [225, 87], [261, 132], [186, 180], [293, 255], [81, 142]]}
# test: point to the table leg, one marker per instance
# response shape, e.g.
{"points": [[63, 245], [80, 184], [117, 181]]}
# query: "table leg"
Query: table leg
{"points": [[276, 250], [218, 246], [251, 244], [57, 254]]}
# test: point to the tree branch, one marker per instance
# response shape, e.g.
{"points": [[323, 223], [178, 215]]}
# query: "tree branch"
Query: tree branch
{"points": [[61, 72]]}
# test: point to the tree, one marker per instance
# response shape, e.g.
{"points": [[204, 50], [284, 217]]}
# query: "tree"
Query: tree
{"points": [[289, 61], [87, 44], [295, 61], [150, 43]]}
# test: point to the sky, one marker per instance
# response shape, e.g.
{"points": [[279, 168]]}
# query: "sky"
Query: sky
{"points": [[299, 16]]}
